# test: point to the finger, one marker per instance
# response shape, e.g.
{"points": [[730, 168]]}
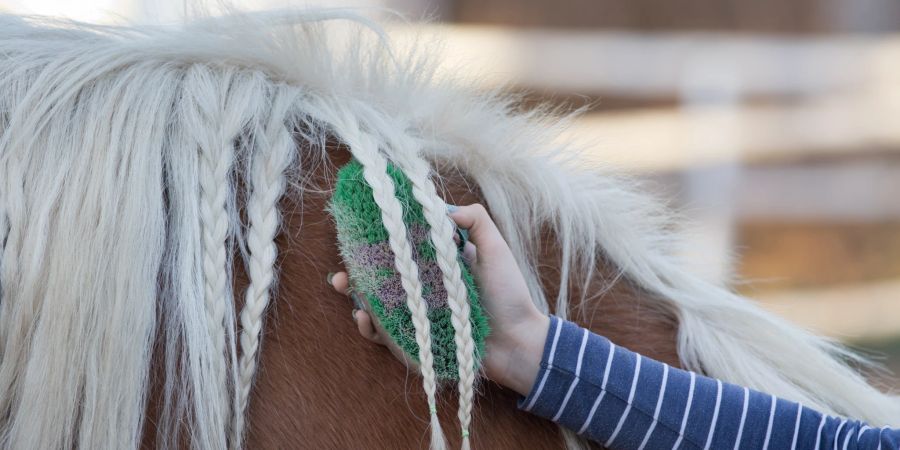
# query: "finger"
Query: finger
{"points": [[340, 282], [470, 253], [366, 326], [482, 230]]}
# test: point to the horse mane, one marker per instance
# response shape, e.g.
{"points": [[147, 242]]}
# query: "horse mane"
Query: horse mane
{"points": [[136, 162]]}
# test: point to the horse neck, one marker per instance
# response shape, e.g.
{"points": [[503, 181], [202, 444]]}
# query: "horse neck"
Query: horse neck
{"points": [[323, 386]]}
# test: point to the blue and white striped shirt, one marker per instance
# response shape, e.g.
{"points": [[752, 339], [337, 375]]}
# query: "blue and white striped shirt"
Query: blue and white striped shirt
{"points": [[626, 401]]}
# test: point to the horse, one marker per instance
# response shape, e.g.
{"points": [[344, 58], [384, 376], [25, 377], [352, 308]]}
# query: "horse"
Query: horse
{"points": [[165, 243]]}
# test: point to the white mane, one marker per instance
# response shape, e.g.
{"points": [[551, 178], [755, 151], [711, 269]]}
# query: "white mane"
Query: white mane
{"points": [[120, 150]]}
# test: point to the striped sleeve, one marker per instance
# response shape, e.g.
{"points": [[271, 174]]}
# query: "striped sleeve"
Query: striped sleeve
{"points": [[623, 400]]}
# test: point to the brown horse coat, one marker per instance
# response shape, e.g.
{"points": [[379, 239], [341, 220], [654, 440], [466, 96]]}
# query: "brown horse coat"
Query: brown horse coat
{"points": [[322, 386]]}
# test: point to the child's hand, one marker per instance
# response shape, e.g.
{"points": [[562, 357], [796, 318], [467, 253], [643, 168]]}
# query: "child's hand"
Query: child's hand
{"points": [[367, 324], [518, 329]]}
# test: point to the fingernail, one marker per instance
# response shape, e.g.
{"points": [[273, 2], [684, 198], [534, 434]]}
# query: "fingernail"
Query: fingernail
{"points": [[463, 236], [357, 301], [330, 278], [452, 208], [354, 314]]}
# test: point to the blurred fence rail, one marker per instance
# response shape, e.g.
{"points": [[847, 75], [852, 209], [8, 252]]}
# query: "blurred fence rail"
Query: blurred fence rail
{"points": [[660, 63], [772, 16], [783, 149], [785, 97]]}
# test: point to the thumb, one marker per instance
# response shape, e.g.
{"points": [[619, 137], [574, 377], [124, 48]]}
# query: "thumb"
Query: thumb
{"points": [[483, 231]]}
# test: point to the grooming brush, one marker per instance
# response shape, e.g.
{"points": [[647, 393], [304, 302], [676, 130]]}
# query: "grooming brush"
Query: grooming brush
{"points": [[363, 244]]}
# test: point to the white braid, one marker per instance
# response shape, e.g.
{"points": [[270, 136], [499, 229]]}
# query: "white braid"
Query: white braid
{"points": [[274, 151], [442, 230], [365, 150], [218, 109], [216, 156]]}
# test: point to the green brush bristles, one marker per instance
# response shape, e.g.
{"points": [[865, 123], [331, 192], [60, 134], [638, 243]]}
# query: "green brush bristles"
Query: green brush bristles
{"points": [[363, 243]]}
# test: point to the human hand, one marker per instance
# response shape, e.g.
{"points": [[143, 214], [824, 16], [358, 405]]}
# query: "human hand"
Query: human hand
{"points": [[518, 329]]}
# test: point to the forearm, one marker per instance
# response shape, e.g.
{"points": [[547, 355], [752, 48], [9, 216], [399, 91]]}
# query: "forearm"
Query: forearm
{"points": [[623, 400]]}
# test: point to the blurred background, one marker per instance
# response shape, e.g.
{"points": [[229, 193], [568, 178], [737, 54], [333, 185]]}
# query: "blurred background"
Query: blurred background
{"points": [[774, 125]]}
